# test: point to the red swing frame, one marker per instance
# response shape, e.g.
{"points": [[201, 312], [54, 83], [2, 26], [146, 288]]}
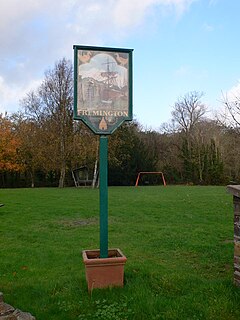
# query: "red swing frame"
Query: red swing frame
{"points": [[150, 172]]}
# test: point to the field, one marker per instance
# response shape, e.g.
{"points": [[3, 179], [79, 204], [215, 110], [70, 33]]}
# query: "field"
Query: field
{"points": [[178, 241]]}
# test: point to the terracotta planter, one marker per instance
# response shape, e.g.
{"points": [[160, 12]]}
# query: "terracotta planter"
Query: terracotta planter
{"points": [[103, 273]]}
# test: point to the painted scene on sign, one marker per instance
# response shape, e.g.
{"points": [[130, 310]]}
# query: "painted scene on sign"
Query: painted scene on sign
{"points": [[103, 88]]}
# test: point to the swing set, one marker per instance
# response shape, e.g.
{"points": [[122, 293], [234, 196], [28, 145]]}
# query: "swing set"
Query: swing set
{"points": [[146, 173]]}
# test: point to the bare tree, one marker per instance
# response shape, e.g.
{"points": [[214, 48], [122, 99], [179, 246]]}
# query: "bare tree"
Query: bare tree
{"points": [[230, 117], [56, 93], [51, 106], [188, 111]]}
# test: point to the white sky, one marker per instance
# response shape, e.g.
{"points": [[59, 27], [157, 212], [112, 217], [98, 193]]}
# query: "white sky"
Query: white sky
{"points": [[179, 46]]}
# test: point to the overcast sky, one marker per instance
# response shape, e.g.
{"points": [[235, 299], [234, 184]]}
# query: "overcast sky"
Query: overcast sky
{"points": [[179, 46]]}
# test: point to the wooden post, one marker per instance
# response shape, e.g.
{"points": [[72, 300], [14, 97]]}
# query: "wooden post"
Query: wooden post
{"points": [[103, 196]]}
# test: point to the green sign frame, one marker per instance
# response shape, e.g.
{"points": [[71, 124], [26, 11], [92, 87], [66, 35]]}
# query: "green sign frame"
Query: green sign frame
{"points": [[102, 87]]}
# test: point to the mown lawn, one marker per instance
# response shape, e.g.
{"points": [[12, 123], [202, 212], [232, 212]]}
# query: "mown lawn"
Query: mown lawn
{"points": [[178, 241]]}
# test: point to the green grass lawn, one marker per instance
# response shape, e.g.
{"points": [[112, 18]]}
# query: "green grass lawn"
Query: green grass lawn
{"points": [[178, 241]]}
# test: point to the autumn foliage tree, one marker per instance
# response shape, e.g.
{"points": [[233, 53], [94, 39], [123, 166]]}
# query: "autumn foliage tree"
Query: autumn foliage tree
{"points": [[9, 144], [31, 147]]}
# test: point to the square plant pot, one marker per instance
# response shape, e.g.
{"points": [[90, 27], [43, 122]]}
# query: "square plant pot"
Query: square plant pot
{"points": [[104, 272]]}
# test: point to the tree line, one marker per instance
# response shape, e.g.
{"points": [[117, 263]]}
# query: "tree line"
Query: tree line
{"points": [[41, 145]]}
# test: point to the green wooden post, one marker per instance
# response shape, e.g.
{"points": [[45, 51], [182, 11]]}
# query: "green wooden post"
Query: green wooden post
{"points": [[103, 196]]}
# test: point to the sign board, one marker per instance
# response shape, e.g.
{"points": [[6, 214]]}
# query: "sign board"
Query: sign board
{"points": [[102, 87]]}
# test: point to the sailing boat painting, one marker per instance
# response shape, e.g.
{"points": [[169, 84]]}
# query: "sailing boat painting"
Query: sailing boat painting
{"points": [[103, 87]]}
